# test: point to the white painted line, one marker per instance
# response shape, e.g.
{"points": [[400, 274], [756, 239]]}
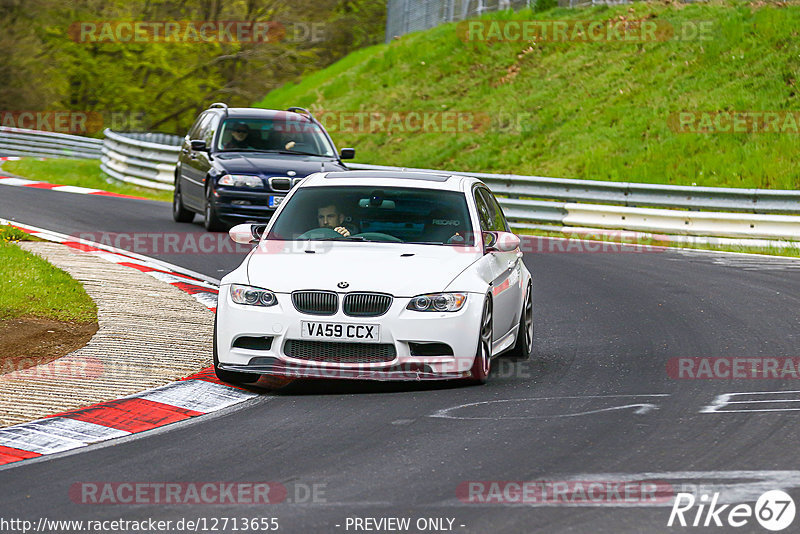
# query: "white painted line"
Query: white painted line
{"points": [[75, 189], [724, 399], [209, 300], [29, 438], [77, 430], [16, 181], [197, 395], [171, 279]]}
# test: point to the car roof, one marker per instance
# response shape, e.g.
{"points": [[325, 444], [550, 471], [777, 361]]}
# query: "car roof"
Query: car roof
{"points": [[402, 175], [259, 113], [413, 179]]}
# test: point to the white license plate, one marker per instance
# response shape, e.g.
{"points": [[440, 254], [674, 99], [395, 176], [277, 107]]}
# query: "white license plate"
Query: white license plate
{"points": [[274, 201], [361, 333]]}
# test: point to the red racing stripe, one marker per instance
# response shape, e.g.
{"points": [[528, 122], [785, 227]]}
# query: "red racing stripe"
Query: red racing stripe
{"points": [[132, 415], [193, 288], [9, 455], [146, 269], [116, 195], [208, 375], [42, 185], [81, 246]]}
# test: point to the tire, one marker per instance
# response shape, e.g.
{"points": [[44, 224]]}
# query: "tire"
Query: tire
{"points": [[179, 212], [524, 345], [231, 377], [212, 222], [482, 365]]}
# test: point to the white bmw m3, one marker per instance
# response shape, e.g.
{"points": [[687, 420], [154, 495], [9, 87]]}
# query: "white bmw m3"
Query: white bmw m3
{"points": [[376, 275]]}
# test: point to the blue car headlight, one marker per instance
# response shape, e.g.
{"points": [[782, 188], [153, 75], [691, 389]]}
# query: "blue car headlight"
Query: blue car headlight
{"points": [[241, 180]]}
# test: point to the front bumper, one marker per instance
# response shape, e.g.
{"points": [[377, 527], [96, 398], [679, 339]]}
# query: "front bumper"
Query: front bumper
{"points": [[398, 326], [240, 205]]}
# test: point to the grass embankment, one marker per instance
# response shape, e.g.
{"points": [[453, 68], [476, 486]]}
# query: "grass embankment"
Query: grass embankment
{"points": [[595, 110], [44, 313], [34, 288], [78, 172]]}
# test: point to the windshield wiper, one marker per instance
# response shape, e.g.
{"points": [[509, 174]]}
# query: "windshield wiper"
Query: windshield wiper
{"points": [[294, 152]]}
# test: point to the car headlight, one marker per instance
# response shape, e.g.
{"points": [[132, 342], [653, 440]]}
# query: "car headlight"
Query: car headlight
{"points": [[438, 302], [252, 296], [241, 180]]}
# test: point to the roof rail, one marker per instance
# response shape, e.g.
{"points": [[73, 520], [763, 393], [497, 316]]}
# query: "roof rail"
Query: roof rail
{"points": [[220, 105], [301, 110]]}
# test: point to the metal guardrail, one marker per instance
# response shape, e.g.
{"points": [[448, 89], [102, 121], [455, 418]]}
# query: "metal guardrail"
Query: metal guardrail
{"points": [[632, 194], [149, 160], [575, 203], [143, 159], [22, 142]]}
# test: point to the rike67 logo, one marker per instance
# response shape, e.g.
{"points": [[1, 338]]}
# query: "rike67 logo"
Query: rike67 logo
{"points": [[774, 510]]}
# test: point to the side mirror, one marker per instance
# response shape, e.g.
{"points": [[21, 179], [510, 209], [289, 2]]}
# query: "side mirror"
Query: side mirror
{"points": [[500, 241], [198, 145], [347, 153], [247, 234]]}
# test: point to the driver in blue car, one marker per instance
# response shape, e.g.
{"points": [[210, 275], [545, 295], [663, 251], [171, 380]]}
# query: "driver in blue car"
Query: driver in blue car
{"points": [[329, 216]]}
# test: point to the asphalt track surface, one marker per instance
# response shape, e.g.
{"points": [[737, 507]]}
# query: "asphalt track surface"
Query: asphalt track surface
{"points": [[595, 402]]}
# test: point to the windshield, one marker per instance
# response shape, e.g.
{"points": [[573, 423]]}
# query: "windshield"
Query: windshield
{"points": [[274, 135], [367, 213]]}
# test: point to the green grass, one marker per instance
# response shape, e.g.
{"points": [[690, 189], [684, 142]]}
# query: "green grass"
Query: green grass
{"points": [[593, 110], [34, 288], [9, 233], [78, 172]]}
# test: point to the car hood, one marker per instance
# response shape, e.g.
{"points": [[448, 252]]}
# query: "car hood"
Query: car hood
{"points": [[399, 269], [275, 164]]}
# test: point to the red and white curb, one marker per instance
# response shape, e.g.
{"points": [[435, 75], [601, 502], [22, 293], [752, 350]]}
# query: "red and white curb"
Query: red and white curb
{"points": [[195, 395], [22, 182]]}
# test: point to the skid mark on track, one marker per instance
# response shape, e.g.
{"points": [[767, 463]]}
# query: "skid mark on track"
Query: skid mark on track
{"points": [[637, 408]]}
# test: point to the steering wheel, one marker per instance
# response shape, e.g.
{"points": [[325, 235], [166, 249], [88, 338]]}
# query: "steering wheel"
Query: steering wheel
{"points": [[320, 233]]}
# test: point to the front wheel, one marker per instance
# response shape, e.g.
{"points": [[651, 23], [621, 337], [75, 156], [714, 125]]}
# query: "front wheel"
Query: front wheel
{"points": [[524, 345], [482, 364], [179, 212], [212, 222]]}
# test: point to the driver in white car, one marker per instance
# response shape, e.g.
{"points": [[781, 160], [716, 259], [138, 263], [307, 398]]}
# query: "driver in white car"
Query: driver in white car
{"points": [[329, 216]]}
